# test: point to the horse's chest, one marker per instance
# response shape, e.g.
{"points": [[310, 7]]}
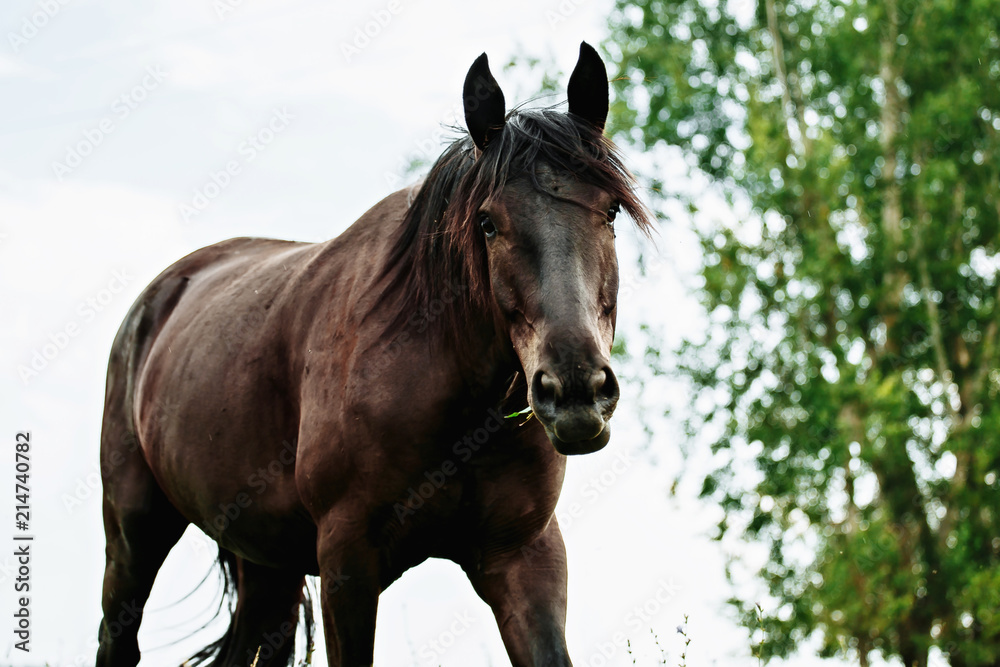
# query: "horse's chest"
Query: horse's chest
{"points": [[472, 501]]}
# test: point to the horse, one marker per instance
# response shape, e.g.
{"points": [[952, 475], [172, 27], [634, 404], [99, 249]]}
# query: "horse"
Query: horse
{"points": [[410, 389]]}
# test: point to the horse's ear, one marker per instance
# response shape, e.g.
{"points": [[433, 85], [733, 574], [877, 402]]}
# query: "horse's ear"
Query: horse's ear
{"points": [[588, 88], [484, 103]]}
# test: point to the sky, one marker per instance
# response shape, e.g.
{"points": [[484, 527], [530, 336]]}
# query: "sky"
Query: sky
{"points": [[134, 133]]}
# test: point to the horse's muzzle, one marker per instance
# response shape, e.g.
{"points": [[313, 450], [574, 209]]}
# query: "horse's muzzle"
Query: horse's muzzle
{"points": [[575, 408]]}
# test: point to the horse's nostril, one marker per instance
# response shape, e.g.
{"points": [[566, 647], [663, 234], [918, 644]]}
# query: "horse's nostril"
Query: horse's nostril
{"points": [[597, 382], [548, 387], [605, 385], [599, 388]]}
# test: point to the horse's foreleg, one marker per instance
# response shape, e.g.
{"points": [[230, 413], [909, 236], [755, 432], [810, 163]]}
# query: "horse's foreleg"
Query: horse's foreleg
{"points": [[349, 590], [526, 589]]}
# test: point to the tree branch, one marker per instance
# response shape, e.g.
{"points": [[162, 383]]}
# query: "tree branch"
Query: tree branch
{"points": [[892, 211], [778, 51]]}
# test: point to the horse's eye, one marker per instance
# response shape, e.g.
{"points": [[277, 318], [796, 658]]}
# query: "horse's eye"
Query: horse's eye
{"points": [[613, 212], [488, 227]]}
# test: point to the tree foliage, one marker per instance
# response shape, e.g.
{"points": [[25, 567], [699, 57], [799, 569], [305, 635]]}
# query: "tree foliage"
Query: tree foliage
{"points": [[853, 340]]}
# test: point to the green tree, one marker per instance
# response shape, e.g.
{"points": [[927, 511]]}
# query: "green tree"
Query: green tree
{"points": [[852, 349]]}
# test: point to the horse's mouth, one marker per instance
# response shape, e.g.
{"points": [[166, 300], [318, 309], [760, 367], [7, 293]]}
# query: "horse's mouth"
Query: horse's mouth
{"points": [[579, 429], [587, 446]]}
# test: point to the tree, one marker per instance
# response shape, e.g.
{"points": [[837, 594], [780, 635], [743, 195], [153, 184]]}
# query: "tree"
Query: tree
{"points": [[853, 342]]}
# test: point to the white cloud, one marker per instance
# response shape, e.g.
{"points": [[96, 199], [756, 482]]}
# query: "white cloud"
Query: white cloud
{"points": [[13, 68]]}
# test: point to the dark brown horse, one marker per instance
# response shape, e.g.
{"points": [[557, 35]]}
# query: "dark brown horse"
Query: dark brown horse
{"points": [[339, 408]]}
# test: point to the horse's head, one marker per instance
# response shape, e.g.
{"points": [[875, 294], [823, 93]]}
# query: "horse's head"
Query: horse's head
{"points": [[548, 230]]}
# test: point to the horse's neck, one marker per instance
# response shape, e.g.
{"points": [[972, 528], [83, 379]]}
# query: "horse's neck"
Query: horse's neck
{"points": [[489, 366], [472, 344]]}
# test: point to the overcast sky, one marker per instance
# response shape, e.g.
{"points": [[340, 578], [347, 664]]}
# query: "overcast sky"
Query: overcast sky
{"points": [[131, 135]]}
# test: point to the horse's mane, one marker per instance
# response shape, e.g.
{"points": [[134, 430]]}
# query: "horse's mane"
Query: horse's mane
{"points": [[437, 266]]}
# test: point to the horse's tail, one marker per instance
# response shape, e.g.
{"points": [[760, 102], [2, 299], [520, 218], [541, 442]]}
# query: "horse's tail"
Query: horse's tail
{"points": [[230, 581], [227, 569]]}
